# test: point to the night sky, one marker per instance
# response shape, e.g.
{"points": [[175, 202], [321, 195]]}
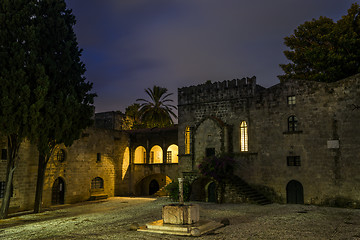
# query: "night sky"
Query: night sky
{"points": [[130, 45]]}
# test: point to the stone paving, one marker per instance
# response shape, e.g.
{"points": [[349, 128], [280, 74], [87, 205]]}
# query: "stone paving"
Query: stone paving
{"points": [[112, 219]]}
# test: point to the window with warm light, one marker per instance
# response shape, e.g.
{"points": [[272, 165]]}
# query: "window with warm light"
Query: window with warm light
{"points": [[187, 140], [291, 100], [243, 137]]}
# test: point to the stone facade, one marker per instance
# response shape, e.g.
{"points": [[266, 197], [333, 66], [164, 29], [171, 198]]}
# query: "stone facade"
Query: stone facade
{"points": [[98, 165], [318, 150]]}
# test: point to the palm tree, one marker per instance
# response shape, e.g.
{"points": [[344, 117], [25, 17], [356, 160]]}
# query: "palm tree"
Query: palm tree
{"points": [[157, 112]]}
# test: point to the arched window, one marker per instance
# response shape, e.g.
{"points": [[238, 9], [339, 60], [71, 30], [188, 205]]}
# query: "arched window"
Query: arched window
{"points": [[97, 183], [140, 155], [187, 140], [172, 154], [292, 123], [243, 137], [156, 154]]}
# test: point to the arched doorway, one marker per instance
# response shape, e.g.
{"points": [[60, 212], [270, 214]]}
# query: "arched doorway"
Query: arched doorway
{"points": [[58, 192], [294, 192], [211, 192], [153, 187]]}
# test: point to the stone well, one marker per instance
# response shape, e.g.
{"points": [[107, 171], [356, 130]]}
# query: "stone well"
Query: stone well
{"points": [[180, 214]]}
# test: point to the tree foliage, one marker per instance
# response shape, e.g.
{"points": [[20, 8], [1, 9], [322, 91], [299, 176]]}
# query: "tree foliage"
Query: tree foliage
{"points": [[23, 81], [219, 168], [323, 50], [157, 112], [44, 96], [132, 118], [68, 109]]}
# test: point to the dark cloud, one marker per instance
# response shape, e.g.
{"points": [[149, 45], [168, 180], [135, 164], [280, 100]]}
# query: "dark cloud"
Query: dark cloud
{"points": [[130, 45]]}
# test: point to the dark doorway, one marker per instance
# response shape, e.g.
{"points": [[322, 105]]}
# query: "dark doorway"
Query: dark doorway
{"points": [[58, 192], [210, 152], [153, 187], [211, 191], [295, 192]]}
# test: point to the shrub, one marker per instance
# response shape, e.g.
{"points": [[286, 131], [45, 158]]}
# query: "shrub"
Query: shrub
{"points": [[173, 191]]}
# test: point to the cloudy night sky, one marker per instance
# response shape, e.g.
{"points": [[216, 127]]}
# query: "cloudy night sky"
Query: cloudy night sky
{"points": [[130, 45]]}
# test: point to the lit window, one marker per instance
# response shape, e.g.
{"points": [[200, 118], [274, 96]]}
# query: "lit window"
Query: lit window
{"points": [[291, 100], [97, 183], [292, 124], [243, 137], [187, 140], [293, 161], [168, 156]]}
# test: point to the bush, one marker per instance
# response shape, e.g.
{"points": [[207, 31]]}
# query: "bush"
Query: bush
{"points": [[173, 191]]}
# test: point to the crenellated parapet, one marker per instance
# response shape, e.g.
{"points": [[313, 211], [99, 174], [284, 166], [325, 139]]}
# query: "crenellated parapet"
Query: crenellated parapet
{"points": [[217, 91]]}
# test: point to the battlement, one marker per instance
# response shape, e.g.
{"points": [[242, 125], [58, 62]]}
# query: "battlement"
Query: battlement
{"points": [[217, 91]]}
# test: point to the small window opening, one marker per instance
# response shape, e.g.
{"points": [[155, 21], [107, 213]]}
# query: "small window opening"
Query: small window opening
{"points": [[98, 157], [60, 156], [293, 161], [210, 152], [292, 124], [291, 100], [3, 154]]}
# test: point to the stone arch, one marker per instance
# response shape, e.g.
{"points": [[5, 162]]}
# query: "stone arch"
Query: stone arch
{"points": [[210, 190], [156, 154], [142, 187], [294, 192], [58, 192], [125, 163], [140, 155], [172, 154], [209, 137], [198, 189]]}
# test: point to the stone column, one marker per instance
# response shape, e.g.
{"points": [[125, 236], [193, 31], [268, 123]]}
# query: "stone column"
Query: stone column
{"points": [[181, 191]]}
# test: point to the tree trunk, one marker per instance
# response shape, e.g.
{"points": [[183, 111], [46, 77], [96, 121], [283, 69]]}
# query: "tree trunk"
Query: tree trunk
{"points": [[40, 183], [13, 149], [6, 200]]}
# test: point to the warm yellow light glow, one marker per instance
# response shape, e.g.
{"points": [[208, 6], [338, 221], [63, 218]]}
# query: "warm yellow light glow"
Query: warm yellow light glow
{"points": [[156, 154], [140, 155], [172, 154], [243, 137], [125, 165], [187, 140]]}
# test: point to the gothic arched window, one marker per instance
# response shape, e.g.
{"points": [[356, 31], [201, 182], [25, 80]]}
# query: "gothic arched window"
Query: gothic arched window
{"points": [[187, 140], [243, 137]]}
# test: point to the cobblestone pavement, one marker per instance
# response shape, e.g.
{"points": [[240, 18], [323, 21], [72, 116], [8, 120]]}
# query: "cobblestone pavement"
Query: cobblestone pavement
{"points": [[112, 218]]}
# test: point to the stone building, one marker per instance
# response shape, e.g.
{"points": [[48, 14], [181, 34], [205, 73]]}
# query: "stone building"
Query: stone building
{"points": [[100, 164], [298, 140]]}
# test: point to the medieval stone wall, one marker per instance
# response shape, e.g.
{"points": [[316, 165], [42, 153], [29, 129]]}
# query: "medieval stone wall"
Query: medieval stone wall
{"points": [[325, 117]]}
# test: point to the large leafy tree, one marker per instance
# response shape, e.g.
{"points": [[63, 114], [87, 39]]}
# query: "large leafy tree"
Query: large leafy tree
{"points": [[132, 118], [44, 97], [157, 112], [23, 81], [323, 50], [68, 103]]}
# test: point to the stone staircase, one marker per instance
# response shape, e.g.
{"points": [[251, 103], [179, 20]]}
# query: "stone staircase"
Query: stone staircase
{"points": [[238, 190], [161, 192]]}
